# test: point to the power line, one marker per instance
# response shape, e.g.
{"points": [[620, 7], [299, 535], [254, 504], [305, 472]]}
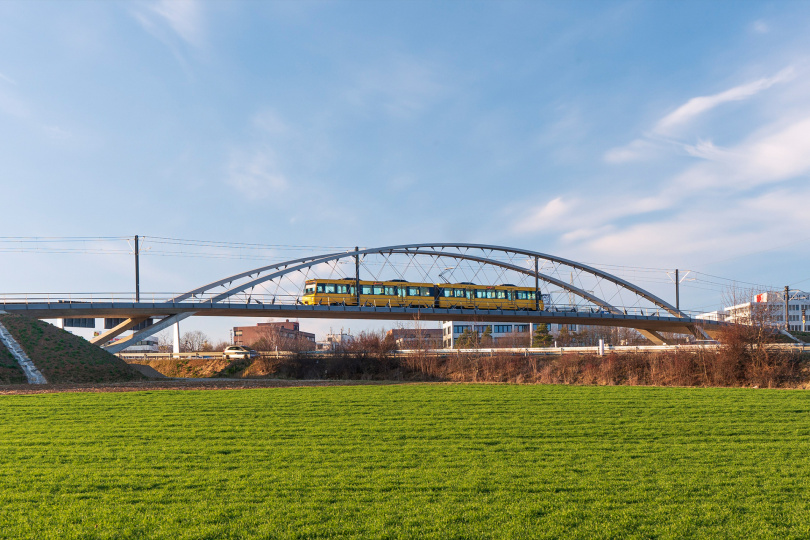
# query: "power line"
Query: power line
{"points": [[51, 239], [39, 244], [239, 245]]}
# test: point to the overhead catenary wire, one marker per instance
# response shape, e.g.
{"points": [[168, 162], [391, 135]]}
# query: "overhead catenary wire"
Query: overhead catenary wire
{"points": [[212, 249]]}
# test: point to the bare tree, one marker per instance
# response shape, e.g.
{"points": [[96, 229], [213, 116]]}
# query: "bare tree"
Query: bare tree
{"points": [[193, 341], [219, 346], [165, 341]]}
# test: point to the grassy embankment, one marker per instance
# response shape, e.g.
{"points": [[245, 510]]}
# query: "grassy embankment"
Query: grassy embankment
{"points": [[428, 461], [10, 370], [63, 357]]}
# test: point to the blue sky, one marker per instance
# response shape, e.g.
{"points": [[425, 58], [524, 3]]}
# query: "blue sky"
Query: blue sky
{"points": [[649, 134]]}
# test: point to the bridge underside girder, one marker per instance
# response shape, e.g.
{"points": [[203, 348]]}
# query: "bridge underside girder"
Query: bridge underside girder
{"points": [[652, 323], [118, 330]]}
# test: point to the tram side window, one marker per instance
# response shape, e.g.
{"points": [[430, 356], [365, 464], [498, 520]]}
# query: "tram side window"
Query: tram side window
{"points": [[490, 294], [447, 293], [378, 290], [413, 291], [320, 287], [309, 289], [342, 289], [390, 291], [329, 288], [480, 294], [365, 289], [425, 291], [501, 295], [458, 293]]}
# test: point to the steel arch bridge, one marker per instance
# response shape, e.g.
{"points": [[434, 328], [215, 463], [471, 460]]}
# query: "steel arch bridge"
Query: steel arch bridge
{"points": [[572, 292]]}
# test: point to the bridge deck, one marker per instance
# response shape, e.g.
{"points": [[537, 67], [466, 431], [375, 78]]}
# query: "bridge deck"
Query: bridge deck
{"points": [[660, 321]]}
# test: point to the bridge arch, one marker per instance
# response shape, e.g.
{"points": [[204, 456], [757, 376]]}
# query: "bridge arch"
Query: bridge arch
{"points": [[437, 250], [583, 283]]}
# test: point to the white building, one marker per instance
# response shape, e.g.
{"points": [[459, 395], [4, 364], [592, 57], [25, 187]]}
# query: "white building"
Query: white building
{"points": [[767, 308], [334, 341], [504, 334]]}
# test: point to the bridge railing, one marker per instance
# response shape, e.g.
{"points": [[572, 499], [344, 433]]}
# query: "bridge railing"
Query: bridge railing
{"points": [[273, 300]]}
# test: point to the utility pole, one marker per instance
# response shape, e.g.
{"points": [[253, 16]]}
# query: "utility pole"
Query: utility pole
{"points": [[357, 275], [677, 291], [536, 288], [137, 272], [787, 305]]}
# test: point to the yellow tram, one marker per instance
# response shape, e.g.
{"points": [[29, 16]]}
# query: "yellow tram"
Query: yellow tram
{"points": [[401, 293]]}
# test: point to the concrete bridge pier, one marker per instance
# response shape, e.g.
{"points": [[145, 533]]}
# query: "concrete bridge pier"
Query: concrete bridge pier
{"points": [[176, 345]]}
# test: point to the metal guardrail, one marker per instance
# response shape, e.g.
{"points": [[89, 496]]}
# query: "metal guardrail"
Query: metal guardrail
{"points": [[545, 351], [155, 299]]}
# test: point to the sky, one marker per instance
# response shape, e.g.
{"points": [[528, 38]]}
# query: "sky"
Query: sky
{"points": [[634, 134]]}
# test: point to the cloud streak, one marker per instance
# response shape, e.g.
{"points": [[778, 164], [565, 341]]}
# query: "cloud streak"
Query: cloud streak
{"points": [[256, 175], [702, 104], [402, 88], [740, 194], [183, 17], [660, 138]]}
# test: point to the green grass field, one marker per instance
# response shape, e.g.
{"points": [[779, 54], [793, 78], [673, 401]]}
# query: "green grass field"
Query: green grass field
{"points": [[427, 461]]}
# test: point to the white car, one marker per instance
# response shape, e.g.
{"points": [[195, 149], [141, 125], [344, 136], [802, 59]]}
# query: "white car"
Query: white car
{"points": [[235, 351]]}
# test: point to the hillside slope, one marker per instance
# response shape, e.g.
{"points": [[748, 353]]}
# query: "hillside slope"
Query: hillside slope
{"points": [[62, 357], [10, 371]]}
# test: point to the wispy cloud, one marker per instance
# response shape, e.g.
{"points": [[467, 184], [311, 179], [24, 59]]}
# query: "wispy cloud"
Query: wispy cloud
{"points": [[7, 79], [636, 150], [401, 87], [765, 158], [57, 132], [256, 175], [707, 227], [270, 123], [548, 216], [584, 217], [13, 105], [183, 17], [740, 194], [661, 138], [761, 27], [699, 105]]}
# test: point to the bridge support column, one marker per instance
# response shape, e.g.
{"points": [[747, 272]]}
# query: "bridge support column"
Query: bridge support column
{"points": [[699, 332], [653, 336], [176, 344], [104, 337], [163, 324]]}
